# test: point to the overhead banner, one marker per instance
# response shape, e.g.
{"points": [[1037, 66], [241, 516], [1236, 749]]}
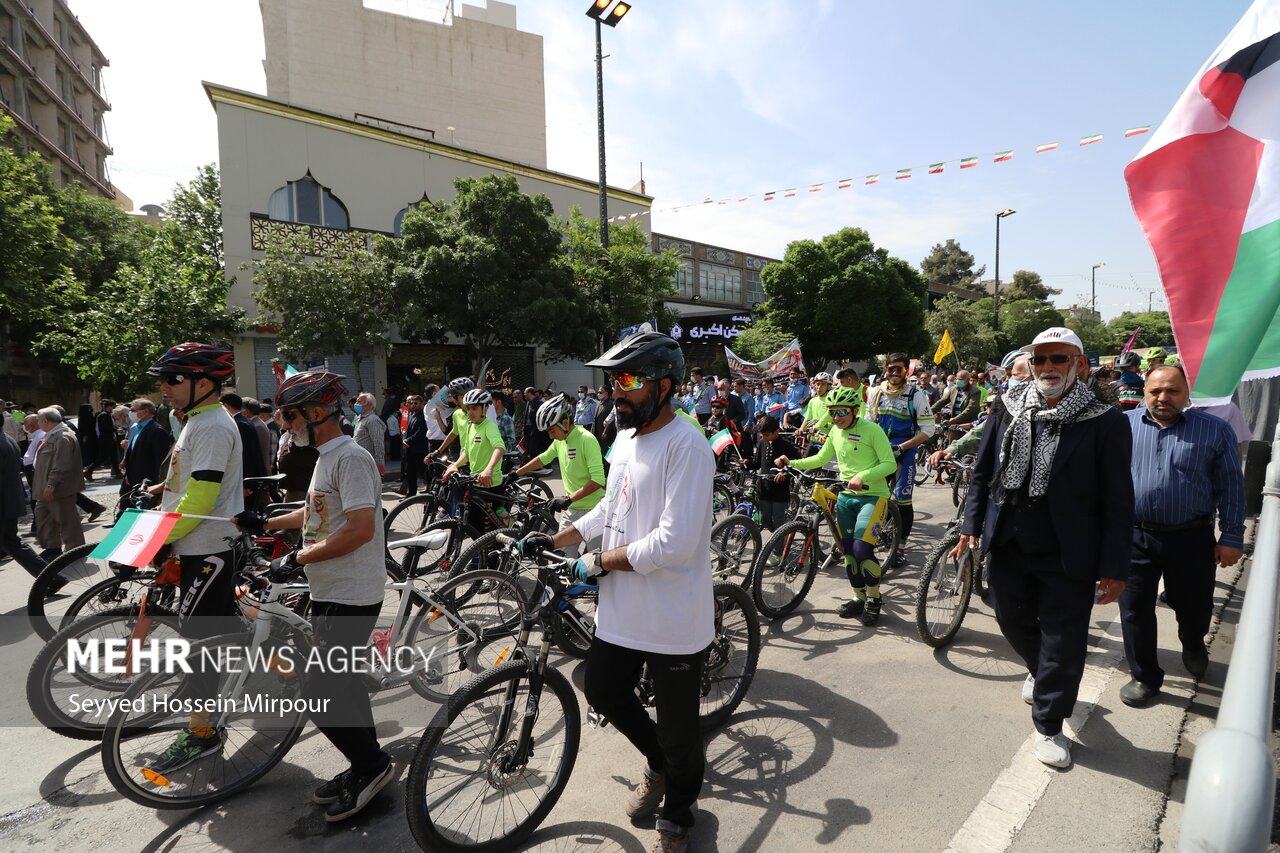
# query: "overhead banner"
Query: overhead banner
{"points": [[776, 365]]}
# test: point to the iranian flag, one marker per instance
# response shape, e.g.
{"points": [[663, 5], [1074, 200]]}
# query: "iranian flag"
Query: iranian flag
{"points": [[936, 168], [815, 188], [1089, 140], [769, 196], [1206, 190], [1048, 146], [743, 198], [1003, 156], [720, 441], [872, 179], [791, 193], [902, 175], [844, 184], [968, 162], [136, 537], [1137, 131]]}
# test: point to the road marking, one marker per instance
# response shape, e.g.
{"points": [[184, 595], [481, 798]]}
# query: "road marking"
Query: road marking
{"points": [[996, 820]]}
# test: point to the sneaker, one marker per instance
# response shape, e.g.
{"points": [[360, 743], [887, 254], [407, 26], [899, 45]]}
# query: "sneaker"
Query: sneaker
{"points": [[1053, 750], [899, 558], [185, 749], [1029, 690], [850, 609], [645, 798], [357, 790], [870, 612], [329, 791], [671, 838]]}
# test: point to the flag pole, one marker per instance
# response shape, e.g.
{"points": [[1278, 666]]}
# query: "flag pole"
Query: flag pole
{"points": [[183, 514]]}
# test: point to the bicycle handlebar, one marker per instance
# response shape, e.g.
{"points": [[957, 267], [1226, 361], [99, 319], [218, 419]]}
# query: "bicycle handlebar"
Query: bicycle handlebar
{"points": [[511, 542]]}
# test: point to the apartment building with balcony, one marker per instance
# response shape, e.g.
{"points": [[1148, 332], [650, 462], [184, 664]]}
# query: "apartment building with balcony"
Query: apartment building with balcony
{"points": [[51, 86]]}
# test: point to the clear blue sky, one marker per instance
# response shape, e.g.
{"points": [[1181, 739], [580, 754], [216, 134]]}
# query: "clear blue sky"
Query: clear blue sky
{"points": [[725, 99]]}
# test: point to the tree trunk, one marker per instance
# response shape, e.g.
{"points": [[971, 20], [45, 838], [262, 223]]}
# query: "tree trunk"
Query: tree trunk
{"points": [[355, 357]]}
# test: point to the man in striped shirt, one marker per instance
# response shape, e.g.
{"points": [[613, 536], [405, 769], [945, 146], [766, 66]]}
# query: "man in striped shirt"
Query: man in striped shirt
{"points": [[1185, 466]]}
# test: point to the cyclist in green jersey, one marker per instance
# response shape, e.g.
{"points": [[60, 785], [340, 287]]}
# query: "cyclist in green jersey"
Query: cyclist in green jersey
{"points": [[581, 465], [459, 423], [815, 410], [862, 451]]}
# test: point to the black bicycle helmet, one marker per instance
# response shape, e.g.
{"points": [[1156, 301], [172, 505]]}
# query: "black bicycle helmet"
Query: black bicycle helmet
{"points": [[312, 388], [1128, 359], [196, 360], [651, 354], [460, 386]]}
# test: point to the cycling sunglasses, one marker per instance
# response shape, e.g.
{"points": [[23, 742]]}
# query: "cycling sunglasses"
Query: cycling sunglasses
{"points": [[840, 412], [629, 381], [173, 379], [1056, 358], [894, 368], [288, 415]]}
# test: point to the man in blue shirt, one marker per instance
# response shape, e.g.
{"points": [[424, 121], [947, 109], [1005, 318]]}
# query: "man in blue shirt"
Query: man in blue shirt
{"points": [[702, 394], [797, 396], [771, 398], [1185, 466]]}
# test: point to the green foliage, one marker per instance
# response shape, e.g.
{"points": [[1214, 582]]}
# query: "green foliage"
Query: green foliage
{"points": [[32, 248], [1093, 333], [323, 305], [1022, 320], [1026, 285], [845, 298], [628, 284], [491, 268], [970, 325], [196, 209], [103, 237], [1156, 331], [761, 339], [948, 265]]}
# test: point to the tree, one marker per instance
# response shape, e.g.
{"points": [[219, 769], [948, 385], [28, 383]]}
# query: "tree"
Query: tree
{"points": [[1027, 285], [103, 237], [1155, 329], [949, 266], [628, 283], [970, 326], [845, 298], [197, 209], [761, 339], [33, 248], [491, 268], [1093, 333], [323, 305], [1022, 320]]}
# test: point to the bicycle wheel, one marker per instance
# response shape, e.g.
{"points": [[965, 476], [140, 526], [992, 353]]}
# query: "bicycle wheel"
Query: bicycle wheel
{"points": [[722, 502], [530, 487], [735, 542], [73, 701], [575, 627], [466, 790], [114, 592], [785, 570], [890, 535], [418, 560], [485, 552], [67, 577], [411, 516], [730, 662], [460, 636], [942, 595], [959, 489], [257, 712], [923, 469]]}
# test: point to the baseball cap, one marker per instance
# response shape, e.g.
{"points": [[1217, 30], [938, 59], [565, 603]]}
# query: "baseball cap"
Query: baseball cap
{"points": [[1056, 335]]}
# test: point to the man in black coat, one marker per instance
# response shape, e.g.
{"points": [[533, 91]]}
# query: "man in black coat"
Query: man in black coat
{"points": [[1052, 499], [415, 445], [251, 452], [146, 447], [535, 440], [13, 506]]}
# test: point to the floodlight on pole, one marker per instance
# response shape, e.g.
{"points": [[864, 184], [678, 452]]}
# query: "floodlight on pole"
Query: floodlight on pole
{"points": [[1008, 211], [601, 12], [1093, 287]]}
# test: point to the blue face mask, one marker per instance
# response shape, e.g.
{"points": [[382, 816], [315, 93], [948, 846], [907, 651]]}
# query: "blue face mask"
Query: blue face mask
{"points": [[359, 409], [1014, 383]]}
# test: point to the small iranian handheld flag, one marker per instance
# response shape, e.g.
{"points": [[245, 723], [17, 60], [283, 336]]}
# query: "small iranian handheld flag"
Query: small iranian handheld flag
{"points": [[777, 407], [136, 537], [1048, 146], [936, 168], [1089, 140], [872, 179], [720, 441], [844, 184], [1137, 131], [968, 162], [902, 175], [1003, 156]]}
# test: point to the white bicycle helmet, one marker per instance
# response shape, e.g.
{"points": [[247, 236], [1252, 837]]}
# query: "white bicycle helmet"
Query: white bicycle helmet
{"points": [[822, 377], [460, 386], [477, 397], [553, 411]]}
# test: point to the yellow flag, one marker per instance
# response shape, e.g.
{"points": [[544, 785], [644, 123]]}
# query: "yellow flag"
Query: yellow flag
{"points": [[945, 348]]}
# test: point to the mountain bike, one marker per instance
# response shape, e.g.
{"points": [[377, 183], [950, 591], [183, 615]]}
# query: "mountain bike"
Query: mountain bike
{"points": [[946, 584]]}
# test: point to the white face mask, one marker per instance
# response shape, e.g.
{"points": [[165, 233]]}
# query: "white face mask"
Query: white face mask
{"points": [[133, 417]]}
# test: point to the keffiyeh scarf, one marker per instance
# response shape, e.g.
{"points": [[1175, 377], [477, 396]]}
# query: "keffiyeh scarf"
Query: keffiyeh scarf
{"points": [[1020, 453]]}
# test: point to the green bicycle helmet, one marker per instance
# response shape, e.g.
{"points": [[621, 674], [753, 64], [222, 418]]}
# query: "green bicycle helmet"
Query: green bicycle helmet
{"points": [[842, 396], [1156, 352]]}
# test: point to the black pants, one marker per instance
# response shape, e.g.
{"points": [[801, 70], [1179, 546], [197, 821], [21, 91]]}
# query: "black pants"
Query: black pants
{"points": [[1186, 560], [412, 467], [20, 551], [346, 718], [673, 745], [206, 608], [1045, 617]]}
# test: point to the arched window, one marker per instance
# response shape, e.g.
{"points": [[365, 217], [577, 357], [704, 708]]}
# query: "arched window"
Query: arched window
{"points": [[399, 220], [306, 201]]}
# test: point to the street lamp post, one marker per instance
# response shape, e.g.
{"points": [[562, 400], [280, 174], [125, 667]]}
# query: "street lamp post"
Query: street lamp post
{"points": [[600, 12], [1093, 287], [1001, 215]]}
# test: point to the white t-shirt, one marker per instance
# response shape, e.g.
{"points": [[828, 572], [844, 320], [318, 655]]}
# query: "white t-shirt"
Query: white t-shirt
{"points": [[434, 433], [345, 478], [210, 441], [657, 503]]}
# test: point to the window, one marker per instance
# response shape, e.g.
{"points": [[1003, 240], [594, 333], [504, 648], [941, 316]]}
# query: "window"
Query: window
{"points": [[399, 220], [684, 279], [308, 202], [718, 283], [755, 290]]}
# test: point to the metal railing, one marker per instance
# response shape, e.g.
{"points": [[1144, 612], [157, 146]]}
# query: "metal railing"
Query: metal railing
{"points": [[1231, 792]]}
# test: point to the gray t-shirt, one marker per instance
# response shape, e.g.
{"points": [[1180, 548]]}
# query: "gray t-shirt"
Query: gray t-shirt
{"points": [[210, 441], [345, 479]]}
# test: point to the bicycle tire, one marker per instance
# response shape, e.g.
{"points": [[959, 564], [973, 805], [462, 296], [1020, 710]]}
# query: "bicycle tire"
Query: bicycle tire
{"points": [[722, 502], [485, 552], [737, 638], [527, 487], [447, 743], [890, 536], [114, 592], [492, 610], [773, 587], [411, 516], [125, 747], [78, 573], [735, 544], [419, 561], [574, 631], [942, 595]]}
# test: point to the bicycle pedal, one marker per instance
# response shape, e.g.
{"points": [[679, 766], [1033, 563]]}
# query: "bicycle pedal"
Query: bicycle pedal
{"points": [[595, 719]]}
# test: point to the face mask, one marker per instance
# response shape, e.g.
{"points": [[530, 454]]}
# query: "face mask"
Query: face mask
{"points": [[359, 409], [582, 395], [133, 417], [1014, 383]]}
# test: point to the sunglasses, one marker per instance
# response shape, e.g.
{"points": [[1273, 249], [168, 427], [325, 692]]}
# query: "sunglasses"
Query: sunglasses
{"points": [[840, 412], [1056, 358], [895, 369], [629, 381], [173, 379], [288, 416]]}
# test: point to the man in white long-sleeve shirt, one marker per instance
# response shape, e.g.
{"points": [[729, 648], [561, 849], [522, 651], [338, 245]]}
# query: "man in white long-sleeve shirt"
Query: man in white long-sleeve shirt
{"points": [[655, 588]]}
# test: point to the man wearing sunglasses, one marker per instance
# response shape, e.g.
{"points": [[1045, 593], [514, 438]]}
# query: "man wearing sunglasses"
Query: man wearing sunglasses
{"points": [[903, 412], [1052, 499], [655, 579]]}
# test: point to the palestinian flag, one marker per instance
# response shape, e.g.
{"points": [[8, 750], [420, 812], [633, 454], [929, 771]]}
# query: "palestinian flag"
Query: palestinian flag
{"points": [[1003, 156], [1048, 146], [902, 175], [872, 179], [815, 188], [844, 184], [1089, 140], [1137, 131], [769, 196], [1206, 189], [968, 162], [136, 537], [936, 168], [791, 193], [720, 441]]}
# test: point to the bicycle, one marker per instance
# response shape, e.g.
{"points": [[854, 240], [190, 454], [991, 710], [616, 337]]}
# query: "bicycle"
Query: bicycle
{"points": [[946, 584], [937, 441], [458, 640]]}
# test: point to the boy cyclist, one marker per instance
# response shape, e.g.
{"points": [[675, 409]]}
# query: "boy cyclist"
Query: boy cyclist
{"points": [[581, 466]]}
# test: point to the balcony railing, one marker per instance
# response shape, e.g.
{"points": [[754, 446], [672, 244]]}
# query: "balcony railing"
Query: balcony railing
{"points": [[315, 240]]}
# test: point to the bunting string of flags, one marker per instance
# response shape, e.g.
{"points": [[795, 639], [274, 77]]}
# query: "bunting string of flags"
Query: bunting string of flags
{"points": [[870, 180]]}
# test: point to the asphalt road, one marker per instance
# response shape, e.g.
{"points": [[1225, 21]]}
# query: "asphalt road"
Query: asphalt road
{"points": [[850, 737]]}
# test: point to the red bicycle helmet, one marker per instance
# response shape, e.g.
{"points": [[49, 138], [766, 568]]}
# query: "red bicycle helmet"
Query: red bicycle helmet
{"points": [[196, 360], [312, 388]]}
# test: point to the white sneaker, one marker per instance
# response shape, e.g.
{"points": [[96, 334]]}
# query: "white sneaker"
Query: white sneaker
{"points": [[1054, 750], [1028, 689]]}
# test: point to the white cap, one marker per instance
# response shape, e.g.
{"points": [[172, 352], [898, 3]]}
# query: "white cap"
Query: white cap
{"points": [[1056, 335]]}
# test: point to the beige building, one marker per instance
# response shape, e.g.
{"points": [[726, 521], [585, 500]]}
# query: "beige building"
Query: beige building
{"points": [[470, 79], [286, 169], [51, 85]]}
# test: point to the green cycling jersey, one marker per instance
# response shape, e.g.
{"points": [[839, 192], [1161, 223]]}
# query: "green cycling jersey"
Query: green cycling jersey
{"points": [[861, 451]]}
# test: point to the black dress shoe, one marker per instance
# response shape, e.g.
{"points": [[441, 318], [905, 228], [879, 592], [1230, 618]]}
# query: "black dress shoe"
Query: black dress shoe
{"points": [[1195, 658], [1135, 694]]}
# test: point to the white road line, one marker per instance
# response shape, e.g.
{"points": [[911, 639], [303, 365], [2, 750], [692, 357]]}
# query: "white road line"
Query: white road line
{"points": [[995, 821]]}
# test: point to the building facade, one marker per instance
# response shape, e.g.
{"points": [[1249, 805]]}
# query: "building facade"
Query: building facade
{"points": [[51, 86]]}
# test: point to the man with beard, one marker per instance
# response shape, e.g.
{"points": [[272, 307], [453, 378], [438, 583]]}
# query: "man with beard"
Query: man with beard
{"points": [[655, 579], [901, 410], [1052, 498]]}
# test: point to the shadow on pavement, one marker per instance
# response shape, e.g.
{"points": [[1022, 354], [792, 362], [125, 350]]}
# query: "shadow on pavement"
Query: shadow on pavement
{"points": [[981, 655], [583, 835]]}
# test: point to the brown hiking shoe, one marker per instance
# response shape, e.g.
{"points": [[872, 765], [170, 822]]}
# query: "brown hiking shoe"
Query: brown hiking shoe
{"points": [[671, 839], [645, 798]]}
